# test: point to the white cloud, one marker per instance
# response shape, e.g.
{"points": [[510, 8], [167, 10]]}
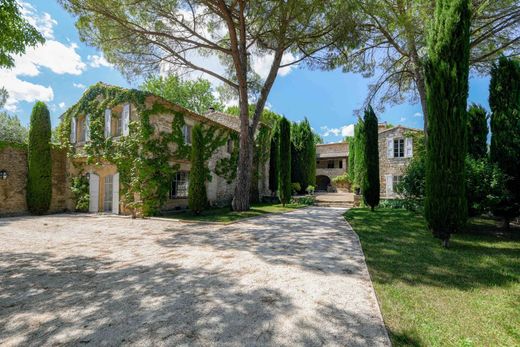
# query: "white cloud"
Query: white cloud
{"points": [[96, 61], [402, 119], [58, 57], [418, 114], [262, 64], [346, 130], [61, 105], [79, 85]]}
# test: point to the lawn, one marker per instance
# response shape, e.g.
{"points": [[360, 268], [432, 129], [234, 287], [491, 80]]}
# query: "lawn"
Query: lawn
{"points": [[467, 295], [226, 215]]}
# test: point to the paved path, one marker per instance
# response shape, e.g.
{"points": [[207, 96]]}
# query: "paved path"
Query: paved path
{"points": [[297, 279]]}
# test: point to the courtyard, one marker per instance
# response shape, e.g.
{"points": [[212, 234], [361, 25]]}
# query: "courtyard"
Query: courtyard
{"points": [[281, 279]]}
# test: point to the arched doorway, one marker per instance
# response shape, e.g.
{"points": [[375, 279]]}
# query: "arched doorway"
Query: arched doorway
{"points": [[322, 182]]}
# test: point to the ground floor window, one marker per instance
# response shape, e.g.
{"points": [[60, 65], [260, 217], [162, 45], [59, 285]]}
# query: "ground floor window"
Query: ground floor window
{"points": [[395, 181], [109, 191], [179, 187]]}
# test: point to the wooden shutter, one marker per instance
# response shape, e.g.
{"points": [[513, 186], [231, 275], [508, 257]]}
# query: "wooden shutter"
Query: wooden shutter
{"points": [[409, 147], [87, 128], [115, 194], [390, 147], [389, 185], [108, 122], [126, 119], [73, 129], [93, 204]]}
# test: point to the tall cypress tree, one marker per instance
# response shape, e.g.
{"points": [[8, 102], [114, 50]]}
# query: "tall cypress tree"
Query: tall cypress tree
{"points": [[274, 160], [371, 152], [351, 159], [447, 71], [477, 131], [308, 155], [197, 197], [284, 181], [504, 100], [39, 175], [359, 156]]}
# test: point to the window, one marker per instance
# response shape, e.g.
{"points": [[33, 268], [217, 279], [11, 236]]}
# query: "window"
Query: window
{"points": [[179, 188], [107, 200], [82, 129], [230, 146], [340, 163], [117, 125], [395, 181], [186, 132], [330, 164], [399, 148]]}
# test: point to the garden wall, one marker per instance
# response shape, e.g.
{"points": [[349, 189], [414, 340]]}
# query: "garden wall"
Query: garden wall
{"points": [[13, 159]]}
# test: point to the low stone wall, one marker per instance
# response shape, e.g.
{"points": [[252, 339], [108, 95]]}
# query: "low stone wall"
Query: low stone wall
{"points": [[13, 160]]}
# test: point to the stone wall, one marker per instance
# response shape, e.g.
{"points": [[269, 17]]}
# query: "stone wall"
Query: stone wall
{"points": [[13, 189]]}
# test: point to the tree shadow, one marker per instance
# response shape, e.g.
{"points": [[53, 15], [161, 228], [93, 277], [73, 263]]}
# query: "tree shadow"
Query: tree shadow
{"points": [[313, 239], [83, 300]]}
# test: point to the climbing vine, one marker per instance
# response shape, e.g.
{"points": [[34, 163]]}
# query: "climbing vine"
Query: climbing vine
{"points": [[145, 159]]}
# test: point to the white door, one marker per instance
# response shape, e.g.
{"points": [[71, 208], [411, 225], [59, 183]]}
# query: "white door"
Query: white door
{"points": [[93, 205], [115, 194]]}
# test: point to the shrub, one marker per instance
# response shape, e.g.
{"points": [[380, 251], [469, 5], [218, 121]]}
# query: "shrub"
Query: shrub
{"points": [[304, 200], [393, 203], [284, 180], [342, 181], [310, 190], [446, 76], [411, 187], [477, 131], [370, 182], [197, 198], [39, 175], [296, 187], [80, 190]]}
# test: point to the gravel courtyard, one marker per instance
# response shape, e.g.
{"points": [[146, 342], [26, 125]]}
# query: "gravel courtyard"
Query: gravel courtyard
{"points": [[279, 280]]}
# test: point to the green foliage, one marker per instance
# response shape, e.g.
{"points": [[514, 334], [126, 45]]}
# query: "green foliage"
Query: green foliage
{"points": [[296, 187], [393, 204], [39, 164], [447, 71], [197, 197], [411, 187], [80, 189], [304, 200], [310, 190], [274, 160], [11, 130], [303, 154], [16, 33], [370, 182], [477, 131], [227, 167], [145, 177], [504, 100], [284, 180], [194, 95], [359, 169], [351, 159]]}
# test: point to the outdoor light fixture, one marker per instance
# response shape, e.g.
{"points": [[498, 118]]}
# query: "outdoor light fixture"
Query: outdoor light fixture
{"points": [[3, 175]]}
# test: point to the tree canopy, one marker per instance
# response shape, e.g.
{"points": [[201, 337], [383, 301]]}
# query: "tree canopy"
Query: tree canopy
{"points": [[11, 130]]}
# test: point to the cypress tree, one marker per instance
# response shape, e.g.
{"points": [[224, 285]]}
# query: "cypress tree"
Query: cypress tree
{"points": [[307, 155], [504, 100], [274, 160], [296, 154], [197, 198], [39, 174], [284, 181], [477, 131], [446, 72], [351, 159], [371, 152], [359, 156]]}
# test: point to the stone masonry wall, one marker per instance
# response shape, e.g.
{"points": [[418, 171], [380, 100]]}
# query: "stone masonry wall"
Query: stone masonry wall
{"points": [[13, 189]]}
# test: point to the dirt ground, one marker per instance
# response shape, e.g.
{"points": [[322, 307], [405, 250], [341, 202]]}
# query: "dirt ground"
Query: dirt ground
{"points": [[279, 280]]}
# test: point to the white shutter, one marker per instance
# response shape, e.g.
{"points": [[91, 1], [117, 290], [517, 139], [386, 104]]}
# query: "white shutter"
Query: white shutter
{"points": [[390, 147], [389, 185], [115, 194], [409, 147], [108, 122], [73, 130], [126, 119], [87, 128], [93, 204]]}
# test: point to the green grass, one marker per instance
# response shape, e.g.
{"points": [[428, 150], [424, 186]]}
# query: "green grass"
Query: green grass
{"points": [[226, 215], [467, 295]]}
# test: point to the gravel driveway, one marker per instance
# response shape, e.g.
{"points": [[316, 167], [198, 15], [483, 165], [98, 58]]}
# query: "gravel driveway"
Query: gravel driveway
{"points": [[279, 280]]}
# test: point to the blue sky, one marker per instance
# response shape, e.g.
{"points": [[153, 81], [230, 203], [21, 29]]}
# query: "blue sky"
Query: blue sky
{"points": [[58, 72]]}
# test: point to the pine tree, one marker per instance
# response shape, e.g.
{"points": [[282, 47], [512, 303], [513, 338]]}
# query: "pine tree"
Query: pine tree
{"points": [[197, 198], [477, 131], [504, 100], [274, 166], [284, 181], [371, 152], [39, 175], [447, 70]]}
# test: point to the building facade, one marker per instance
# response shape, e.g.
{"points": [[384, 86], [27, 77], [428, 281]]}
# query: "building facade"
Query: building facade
{"points": [[331, 162]]}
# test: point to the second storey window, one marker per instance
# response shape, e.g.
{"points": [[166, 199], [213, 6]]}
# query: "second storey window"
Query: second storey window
{"points": [[399, 148], [186, 132], [82, 129], [330, 164], [179, 188]]}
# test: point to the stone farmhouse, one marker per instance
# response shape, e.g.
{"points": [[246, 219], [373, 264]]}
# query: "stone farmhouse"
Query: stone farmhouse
{"points": [[396, 149], [124, 114]]}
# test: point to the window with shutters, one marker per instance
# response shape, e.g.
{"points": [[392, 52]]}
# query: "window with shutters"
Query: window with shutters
{"points": [[396, 180], [179, 187], [116, 125], [186, 131], [109, 191], [82, 129], [399, 148]]}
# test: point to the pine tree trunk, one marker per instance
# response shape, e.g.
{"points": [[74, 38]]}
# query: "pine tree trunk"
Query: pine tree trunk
{"points": [[244, 170]]}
